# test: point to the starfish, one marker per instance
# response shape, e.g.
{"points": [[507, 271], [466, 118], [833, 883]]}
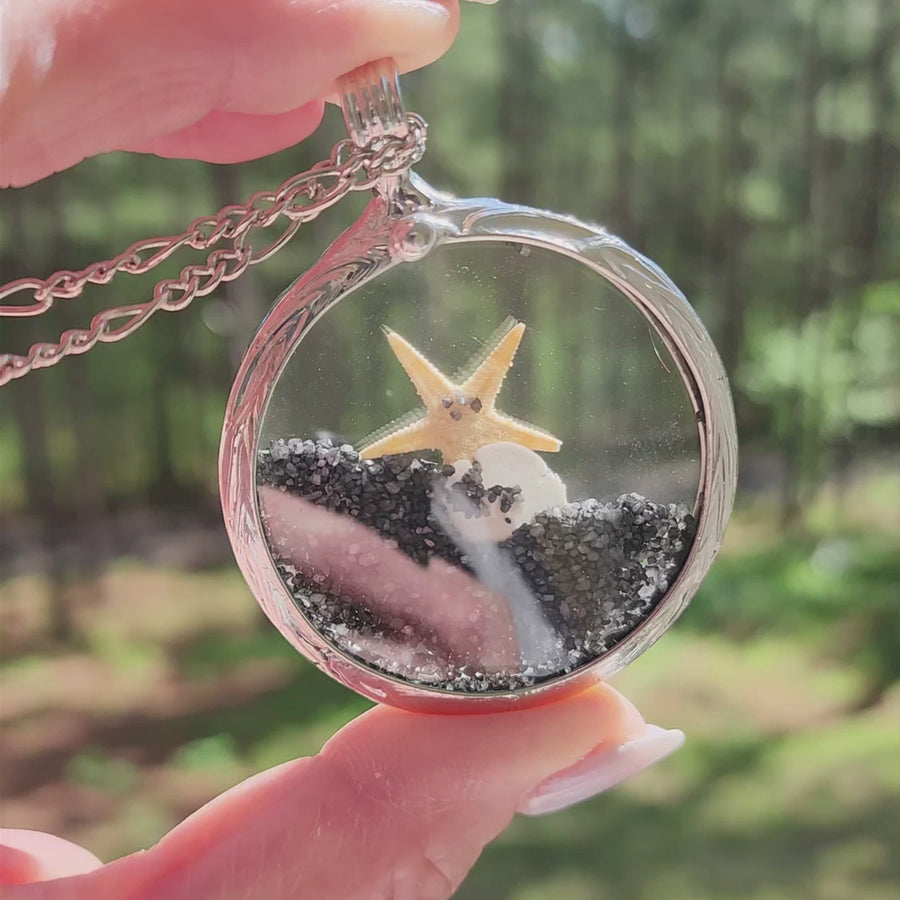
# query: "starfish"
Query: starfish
{"points": [[459, 418]]}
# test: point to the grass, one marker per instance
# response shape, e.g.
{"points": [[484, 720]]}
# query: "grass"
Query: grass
{"points": [[787, 786], [741, 818], [765, 801]]}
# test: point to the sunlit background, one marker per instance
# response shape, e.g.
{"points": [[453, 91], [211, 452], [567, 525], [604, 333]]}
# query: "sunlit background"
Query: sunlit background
{"points": [[752, 149]]}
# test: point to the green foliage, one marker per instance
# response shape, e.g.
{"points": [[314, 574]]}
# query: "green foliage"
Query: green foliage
{"points": [[792, 584], [95, 769], [106, 643], [213, 654], [844, 363], [203, 754], [750, 149], [839, 591]]}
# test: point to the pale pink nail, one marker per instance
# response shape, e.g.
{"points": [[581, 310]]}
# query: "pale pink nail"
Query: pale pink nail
{"points": [[601, 770]]}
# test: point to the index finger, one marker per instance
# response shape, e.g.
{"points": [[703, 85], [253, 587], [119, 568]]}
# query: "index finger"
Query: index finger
{"points": [[220, 80], [395, 805]]}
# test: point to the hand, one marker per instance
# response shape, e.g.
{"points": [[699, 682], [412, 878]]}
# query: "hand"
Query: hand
{"points": [[396, 804], [219, 80]]}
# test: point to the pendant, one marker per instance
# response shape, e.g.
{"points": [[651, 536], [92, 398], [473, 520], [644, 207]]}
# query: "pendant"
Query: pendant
{"points": [[480, 455]]}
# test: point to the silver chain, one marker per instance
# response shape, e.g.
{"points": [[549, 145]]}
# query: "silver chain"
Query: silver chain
{"points": [[300, 199]]}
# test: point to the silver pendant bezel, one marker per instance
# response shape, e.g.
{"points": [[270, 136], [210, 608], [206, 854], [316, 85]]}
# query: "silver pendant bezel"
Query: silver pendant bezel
{"points": [[405, 221]]}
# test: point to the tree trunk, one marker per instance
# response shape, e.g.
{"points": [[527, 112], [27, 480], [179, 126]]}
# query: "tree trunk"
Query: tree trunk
{"points": [[243, 296], [730, 230], [623, 133], [810, 277], [880, 165], [521, 129], [32, 413]]}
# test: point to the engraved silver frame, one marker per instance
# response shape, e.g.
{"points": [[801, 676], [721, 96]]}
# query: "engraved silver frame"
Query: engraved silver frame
{"points": [[405, 222]]}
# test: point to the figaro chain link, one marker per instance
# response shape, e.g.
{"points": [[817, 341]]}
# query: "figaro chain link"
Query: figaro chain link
{"points": [[300, 199]]}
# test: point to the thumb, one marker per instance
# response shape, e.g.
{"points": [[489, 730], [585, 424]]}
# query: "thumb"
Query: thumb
{"points": [[396, 805]]}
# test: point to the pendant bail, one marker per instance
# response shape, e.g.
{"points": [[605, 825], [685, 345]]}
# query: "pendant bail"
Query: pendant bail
{"points": [[371, 102]]}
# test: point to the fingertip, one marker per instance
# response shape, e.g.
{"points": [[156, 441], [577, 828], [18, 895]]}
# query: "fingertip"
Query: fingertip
{"points": [[520, 747], [629, 723], [30, 856], [230, 137], [423, 54], [17, 866]]}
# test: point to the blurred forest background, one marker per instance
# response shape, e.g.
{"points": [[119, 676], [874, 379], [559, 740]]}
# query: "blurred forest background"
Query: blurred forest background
{"points": [[752, 150]]}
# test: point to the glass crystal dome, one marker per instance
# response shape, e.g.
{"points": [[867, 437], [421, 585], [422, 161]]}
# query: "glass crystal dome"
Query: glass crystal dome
{"points": [[479, 471]]}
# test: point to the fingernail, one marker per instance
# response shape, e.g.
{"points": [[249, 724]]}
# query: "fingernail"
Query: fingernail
{"points": [[601, 770]]}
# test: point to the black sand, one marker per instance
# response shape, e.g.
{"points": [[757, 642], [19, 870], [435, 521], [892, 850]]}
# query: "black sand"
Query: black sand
{"points": [[596, 569]]}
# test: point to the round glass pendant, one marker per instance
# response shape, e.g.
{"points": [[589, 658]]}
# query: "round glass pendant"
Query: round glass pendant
{"points": [[479, 455]]}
